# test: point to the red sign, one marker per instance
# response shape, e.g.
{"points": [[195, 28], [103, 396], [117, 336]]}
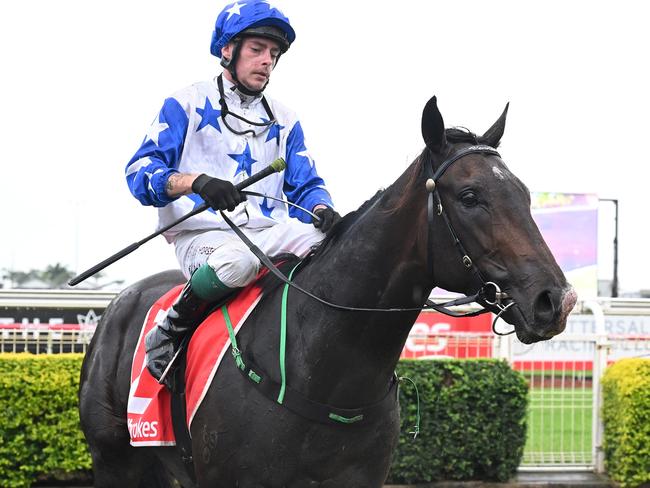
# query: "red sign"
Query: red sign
{"points": [[441, 336]]}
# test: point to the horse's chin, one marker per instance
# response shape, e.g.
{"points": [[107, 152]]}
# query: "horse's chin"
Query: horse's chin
{"points": [[528, 337], [523, 329]]}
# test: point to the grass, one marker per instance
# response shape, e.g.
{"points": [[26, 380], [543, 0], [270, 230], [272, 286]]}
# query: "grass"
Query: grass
{"points": [[559, 426]]}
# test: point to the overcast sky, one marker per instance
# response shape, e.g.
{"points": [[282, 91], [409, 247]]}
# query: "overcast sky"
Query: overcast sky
{"points": [[82, 80]]}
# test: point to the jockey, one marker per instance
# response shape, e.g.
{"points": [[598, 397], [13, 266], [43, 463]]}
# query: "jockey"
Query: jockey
{"points": [[208, 137]]}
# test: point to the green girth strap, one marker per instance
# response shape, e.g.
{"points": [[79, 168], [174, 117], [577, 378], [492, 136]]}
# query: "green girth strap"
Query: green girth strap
{"points": [[283, 337], [293, 400], [236, 353]]}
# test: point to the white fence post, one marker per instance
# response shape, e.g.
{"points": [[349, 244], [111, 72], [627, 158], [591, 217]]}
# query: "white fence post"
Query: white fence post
{"points": [[502, 347], [601, 353]]}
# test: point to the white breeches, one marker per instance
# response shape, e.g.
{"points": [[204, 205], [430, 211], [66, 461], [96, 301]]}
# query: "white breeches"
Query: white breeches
{"points": [[232, 261]]}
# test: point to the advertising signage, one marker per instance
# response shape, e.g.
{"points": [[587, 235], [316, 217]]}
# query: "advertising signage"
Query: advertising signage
{"points": [[569, 224]]}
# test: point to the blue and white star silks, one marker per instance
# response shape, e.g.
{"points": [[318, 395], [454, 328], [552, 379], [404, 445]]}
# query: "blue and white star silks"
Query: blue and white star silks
{"points": [[154, 132], [245, 161], [209, 116], [158, 157], [150, 178], [243, 14], [235, 9], [305, 154], [185, 139], [274, 130], [266, 209], [198, 201]]}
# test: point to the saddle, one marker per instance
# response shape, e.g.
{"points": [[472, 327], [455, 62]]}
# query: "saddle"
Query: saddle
{"points": [[149, 404]]}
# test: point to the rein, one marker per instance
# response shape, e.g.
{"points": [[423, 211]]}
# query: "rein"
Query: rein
{"points": [[488, 294], [294, 400]]}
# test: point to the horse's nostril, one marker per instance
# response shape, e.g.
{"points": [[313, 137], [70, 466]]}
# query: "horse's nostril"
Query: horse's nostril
{"points": [[544, 308]]}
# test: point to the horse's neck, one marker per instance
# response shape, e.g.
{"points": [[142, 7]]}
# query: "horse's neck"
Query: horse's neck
{"points": [[384, 248], [379, 260], [378, 263]]}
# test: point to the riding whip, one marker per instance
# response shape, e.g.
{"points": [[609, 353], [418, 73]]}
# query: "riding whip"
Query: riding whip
{"points": [[275, 167]]}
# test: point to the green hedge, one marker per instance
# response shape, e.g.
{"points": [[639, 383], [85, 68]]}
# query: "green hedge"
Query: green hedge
{"points": [[39, 420], [473, 421], [626, 417]]}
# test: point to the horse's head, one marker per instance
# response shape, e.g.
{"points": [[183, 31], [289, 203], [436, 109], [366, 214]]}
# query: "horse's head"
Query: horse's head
{"points": [[488, 208]]}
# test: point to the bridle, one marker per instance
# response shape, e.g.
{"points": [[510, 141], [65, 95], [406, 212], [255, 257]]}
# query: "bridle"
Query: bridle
{"points": [[489, 293], [489, 296]]}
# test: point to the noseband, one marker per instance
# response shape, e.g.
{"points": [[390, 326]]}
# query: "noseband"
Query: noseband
{"points": [[489, 296]]}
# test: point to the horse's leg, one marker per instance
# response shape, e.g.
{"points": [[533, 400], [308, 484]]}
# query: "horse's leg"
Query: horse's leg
{"points": [[115, 462], [127, 468], [104, 391]]}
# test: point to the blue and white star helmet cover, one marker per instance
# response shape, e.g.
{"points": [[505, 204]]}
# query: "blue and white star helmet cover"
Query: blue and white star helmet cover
{"points": [[243, 14]]}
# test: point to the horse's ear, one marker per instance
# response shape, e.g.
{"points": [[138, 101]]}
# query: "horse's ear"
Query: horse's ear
{"points": [[433, 127], [494, 134]]}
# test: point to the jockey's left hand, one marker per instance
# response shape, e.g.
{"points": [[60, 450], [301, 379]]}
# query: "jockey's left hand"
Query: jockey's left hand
{"points": [[328, 217]]}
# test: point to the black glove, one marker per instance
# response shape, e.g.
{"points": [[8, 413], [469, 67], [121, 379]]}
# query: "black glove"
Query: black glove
{"points": [[219, 194], [328, 217]]}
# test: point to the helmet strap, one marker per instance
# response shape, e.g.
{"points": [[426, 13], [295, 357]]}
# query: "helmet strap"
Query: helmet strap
{"points": [[231, 66]]}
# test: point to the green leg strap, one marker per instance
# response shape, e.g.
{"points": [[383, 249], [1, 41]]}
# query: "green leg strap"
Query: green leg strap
{"points": [[207, 285]]}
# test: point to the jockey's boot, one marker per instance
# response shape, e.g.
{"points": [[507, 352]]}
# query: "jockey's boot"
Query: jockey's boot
{"points": [[163, 342]]}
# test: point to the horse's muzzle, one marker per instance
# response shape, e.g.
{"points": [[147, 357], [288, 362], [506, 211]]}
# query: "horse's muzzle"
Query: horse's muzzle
{"points": [[551, 309]]}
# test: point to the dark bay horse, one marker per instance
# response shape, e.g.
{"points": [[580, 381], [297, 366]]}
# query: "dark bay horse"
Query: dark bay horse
{"points": [[388, 254]]}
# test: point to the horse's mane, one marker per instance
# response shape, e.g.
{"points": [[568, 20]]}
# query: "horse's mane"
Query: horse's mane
{"points": [[286, 262], [454, 135], [345, 223]]}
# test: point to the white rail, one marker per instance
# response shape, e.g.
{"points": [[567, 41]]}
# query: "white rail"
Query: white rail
{"points": [[55, 298]]}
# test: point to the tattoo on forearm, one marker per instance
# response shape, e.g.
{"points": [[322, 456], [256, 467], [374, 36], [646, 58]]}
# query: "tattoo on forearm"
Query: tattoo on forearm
{"points": [[172, 185]]}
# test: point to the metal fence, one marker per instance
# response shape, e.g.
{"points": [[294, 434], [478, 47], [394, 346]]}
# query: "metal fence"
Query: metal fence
{"points": [[43, 340], [49, 321], [560, 415], [563, 375]]}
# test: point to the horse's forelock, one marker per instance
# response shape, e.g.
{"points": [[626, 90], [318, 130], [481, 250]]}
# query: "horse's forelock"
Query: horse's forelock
{"points": [[462, 134]]}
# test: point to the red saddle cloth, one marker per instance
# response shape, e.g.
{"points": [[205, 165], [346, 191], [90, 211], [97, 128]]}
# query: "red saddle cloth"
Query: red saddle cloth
{"points": [[149, 407]]}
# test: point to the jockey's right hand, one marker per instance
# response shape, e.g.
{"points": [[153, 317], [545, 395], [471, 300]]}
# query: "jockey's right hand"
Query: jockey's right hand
{"points": [[219, 194]]}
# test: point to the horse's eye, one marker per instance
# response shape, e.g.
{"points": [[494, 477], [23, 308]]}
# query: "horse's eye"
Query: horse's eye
{"points": [[469, 198]]}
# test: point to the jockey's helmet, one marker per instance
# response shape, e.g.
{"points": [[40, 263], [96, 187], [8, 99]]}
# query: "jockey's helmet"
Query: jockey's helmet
{"points": [[251, 18]]}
